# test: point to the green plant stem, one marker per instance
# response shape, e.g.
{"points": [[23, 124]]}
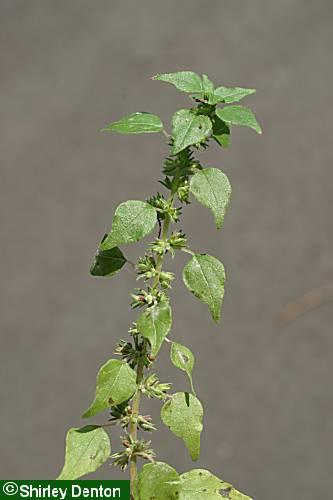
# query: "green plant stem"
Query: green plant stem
{"points": [[133, 425], [140, 369]]}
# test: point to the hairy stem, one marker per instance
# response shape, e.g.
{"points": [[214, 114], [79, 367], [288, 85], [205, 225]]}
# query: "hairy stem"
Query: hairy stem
{"points": [[140, 369], [133, 425]]}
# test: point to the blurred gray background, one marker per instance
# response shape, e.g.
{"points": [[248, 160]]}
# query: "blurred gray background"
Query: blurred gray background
{"points": [[67, 69]]}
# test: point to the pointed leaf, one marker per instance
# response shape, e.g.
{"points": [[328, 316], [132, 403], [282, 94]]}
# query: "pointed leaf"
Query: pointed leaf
{"points": [[190, 82], [183, 358], [229, 95], [221, 132], [186, 81], [157, 481], [204, 276], [212, 189], [136, 123], [207, 88], [86, 450], [154, 324], [200, 484], [207, 85], [234, 494], [189, 129], [239, 115], [107, 262], [116, 383], [133, 220], [183, 414]]}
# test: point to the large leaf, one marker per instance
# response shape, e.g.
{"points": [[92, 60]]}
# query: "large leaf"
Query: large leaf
{"points": [[229, 95], [183, 358], [204, 276], [200, 484], [186, 81], [157, 481], [132, 221], [189, 129], [107, 262], [190, 82], [86, 450], [183, 414], [212, 189], [154, 324], [239, 115], [116, 382], [136, 123]]}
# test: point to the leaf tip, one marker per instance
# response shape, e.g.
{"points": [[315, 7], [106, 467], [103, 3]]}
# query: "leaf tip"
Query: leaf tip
{"points": [[87, 413], [216, 316]]}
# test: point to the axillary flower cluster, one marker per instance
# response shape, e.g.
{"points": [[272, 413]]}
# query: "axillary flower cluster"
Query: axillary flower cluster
{"points": [[123, 380]]}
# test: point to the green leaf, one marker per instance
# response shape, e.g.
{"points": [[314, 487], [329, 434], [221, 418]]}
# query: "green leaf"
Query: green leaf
{"points": [[107, 262], [190, 82], [86, 450], [200, 484], [154, 324], [136, 123], [183, 414], [116, 383], [183, 359], [212, 189], [186, 81], [189, 129], [239, 115], [229, 95], [234, 494], [157, 481], [207, 87], [133, 220], [221, 132], [204, 276]]}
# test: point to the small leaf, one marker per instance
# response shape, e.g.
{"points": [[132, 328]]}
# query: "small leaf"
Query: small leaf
{"points": [[86, 450], [183, 359], [154, 324], [183, 414], [133, 220], [157, 481], [186, 81], [239, 115], [136, 123], [221, 132], [116, 383], [200, 484], [229, 95], [207, 87], [204, 276], [189, 129], [212, 189], [207, 84], [107, 262]]}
